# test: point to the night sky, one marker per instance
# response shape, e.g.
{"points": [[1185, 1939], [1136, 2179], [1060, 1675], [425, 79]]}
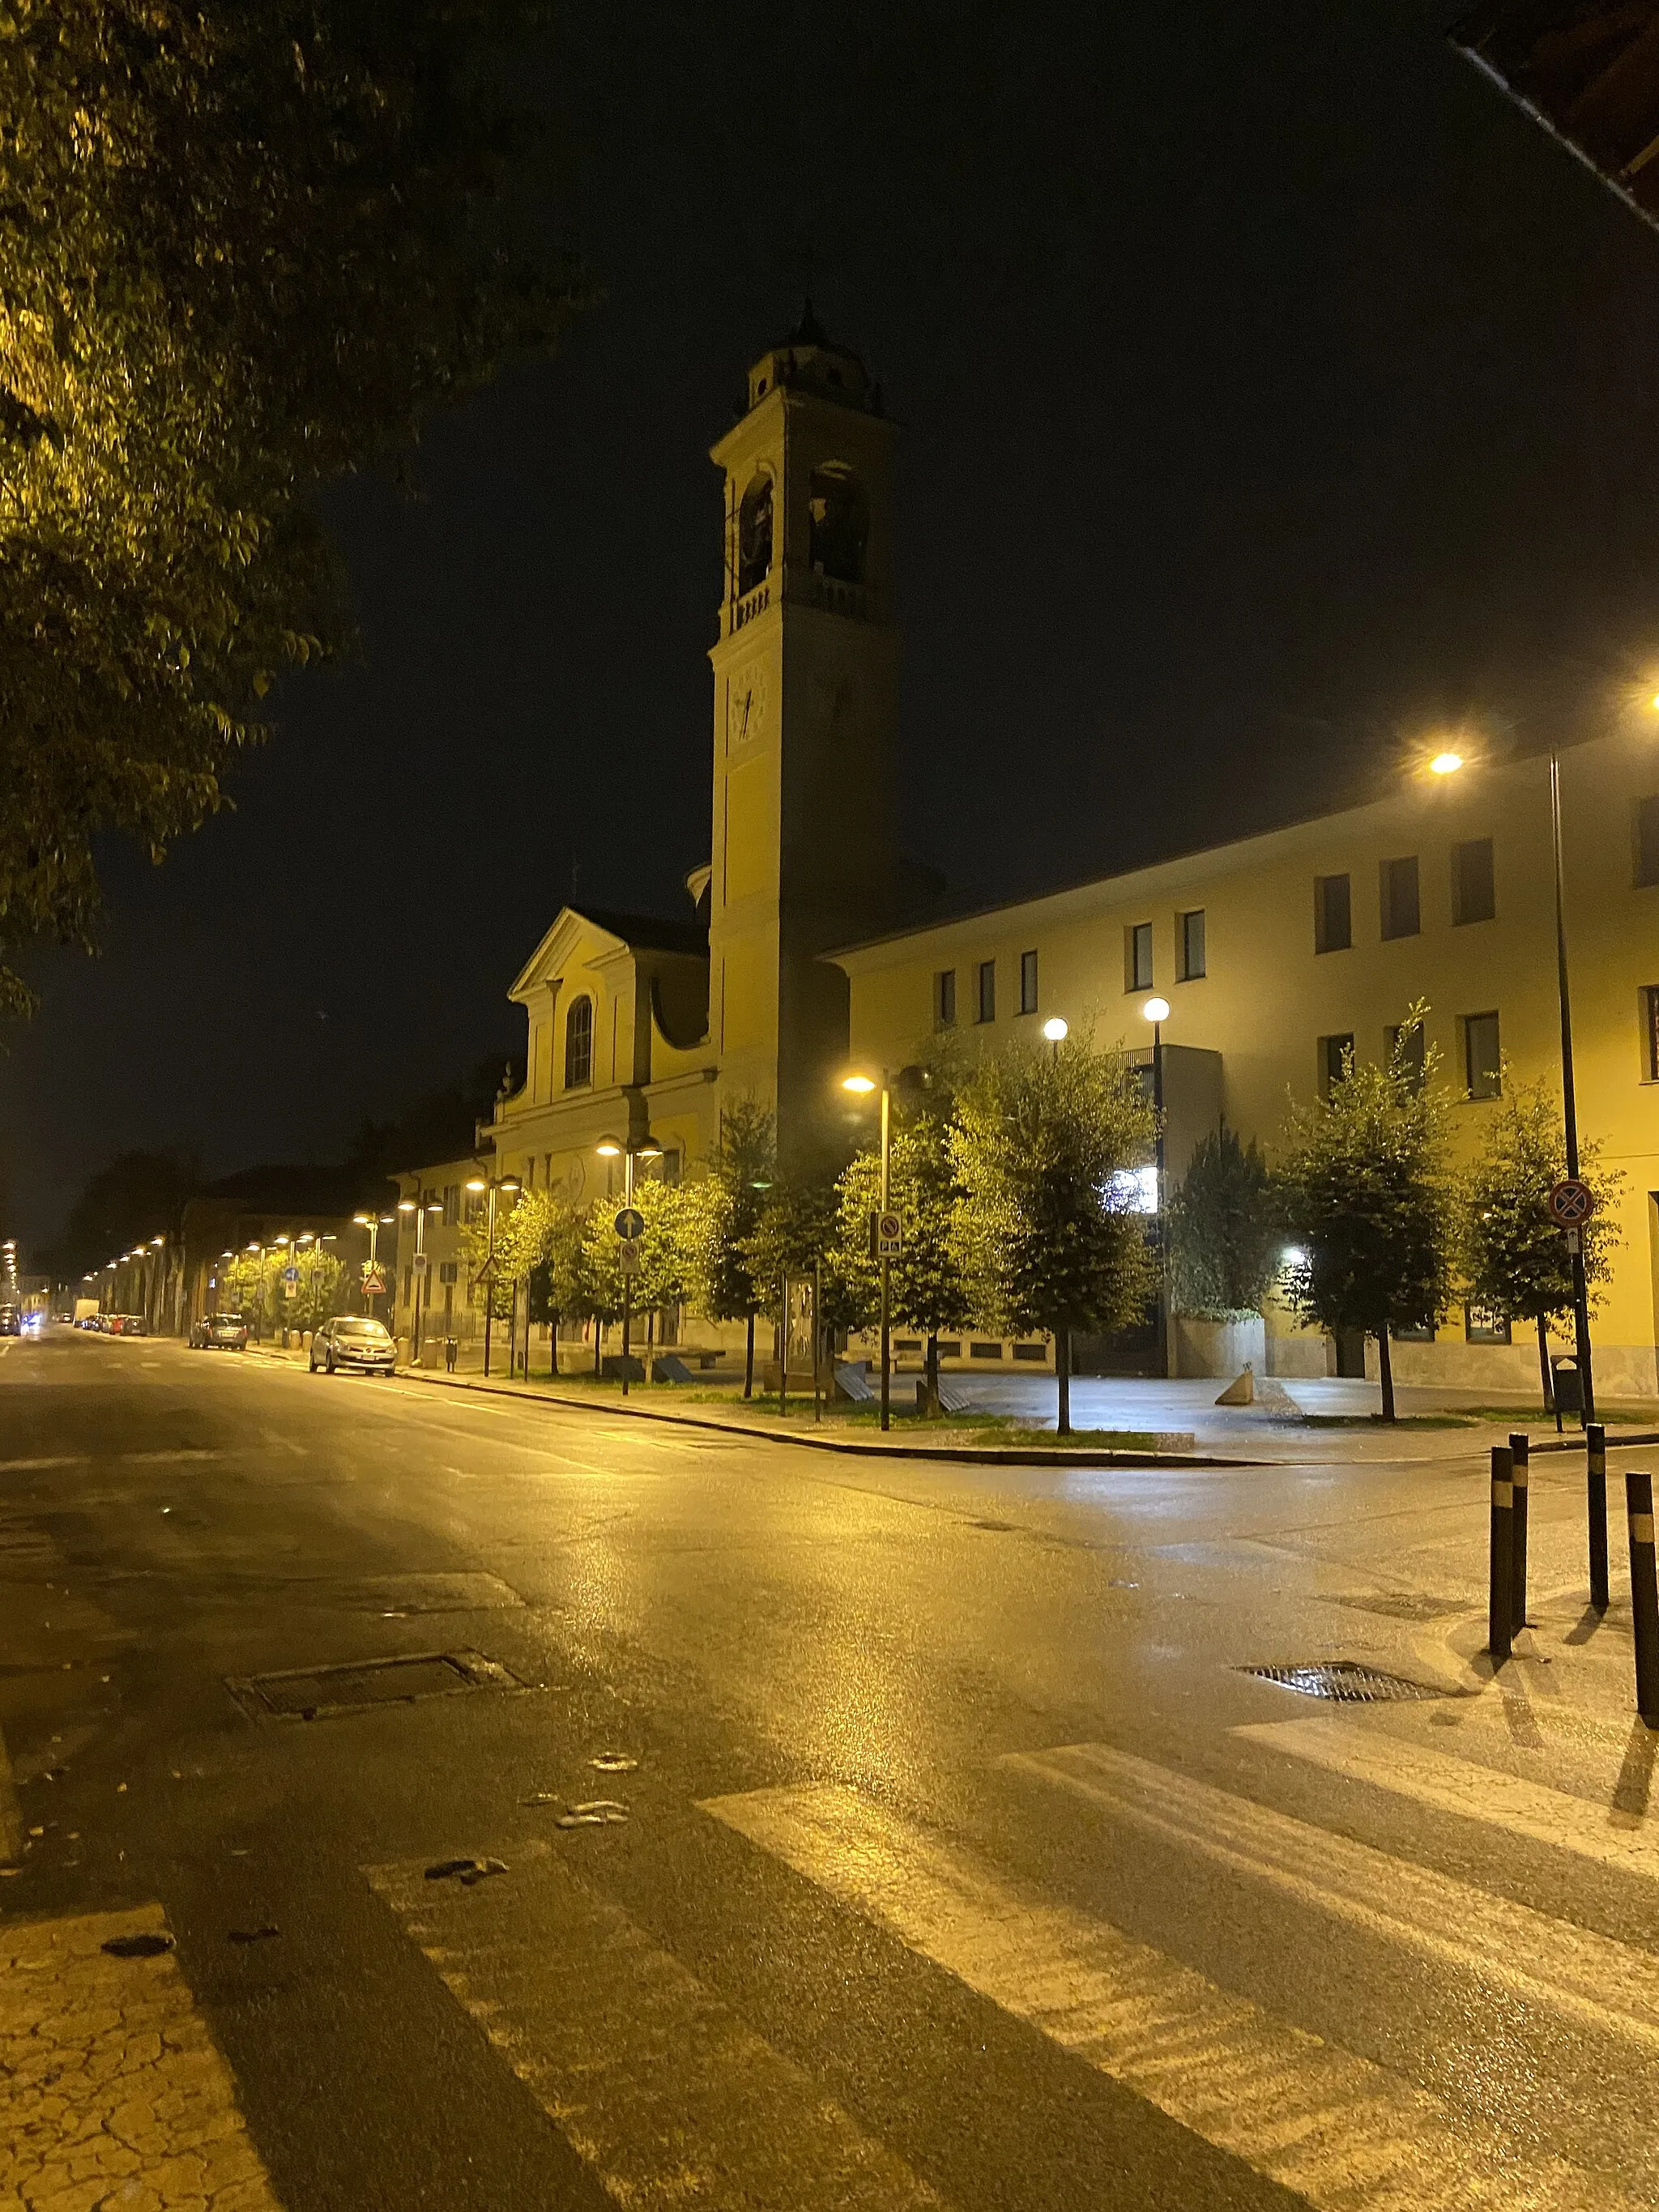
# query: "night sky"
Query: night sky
{"points": [[1272, 390]]}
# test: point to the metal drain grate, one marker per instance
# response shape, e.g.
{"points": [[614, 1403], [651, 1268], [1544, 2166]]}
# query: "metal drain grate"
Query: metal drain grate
{"points": [[1346, 1682], [314, 1693]]}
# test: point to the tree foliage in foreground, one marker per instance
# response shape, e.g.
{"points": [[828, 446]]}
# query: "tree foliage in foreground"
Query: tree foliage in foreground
{"points": [[244, 246], [1226, 1234], [1369, 1200], [1045, 1233], [1515, 1259], [927, 1285], [722, 1215]]}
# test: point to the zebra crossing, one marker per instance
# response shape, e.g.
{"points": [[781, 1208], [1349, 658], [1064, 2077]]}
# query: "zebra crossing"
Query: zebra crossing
{"points": [[672, 2096]]}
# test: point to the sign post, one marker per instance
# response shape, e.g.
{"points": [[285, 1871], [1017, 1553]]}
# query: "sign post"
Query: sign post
{"points": [[629, 1225]]}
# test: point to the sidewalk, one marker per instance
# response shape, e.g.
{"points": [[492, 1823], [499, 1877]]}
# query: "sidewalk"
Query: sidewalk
{"points": [[1173, 1423]]}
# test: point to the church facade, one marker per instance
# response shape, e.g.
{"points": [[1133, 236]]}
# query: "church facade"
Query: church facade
{"points": [[1274, 953]]}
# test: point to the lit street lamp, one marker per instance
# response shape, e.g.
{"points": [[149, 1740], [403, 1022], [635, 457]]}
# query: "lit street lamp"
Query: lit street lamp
{"points": [[1056, 1029], [477, 1184], [611, 1148], [420, 1207], [1157, 1012], [862, 1086]]}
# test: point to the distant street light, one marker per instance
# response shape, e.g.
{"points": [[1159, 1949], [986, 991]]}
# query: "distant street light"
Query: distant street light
{"points": [[1445, 764], [477, 1184], [861, 1086]]}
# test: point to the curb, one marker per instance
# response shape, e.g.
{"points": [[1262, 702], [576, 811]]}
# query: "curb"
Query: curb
{"points": [[977, 1454]]}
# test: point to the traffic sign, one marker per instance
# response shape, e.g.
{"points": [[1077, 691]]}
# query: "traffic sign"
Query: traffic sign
{"points": [[628, 1252], [886, 1235], [630, 1224], [1571, 1203], [373, 1279], [421, 1263], [290, 1273]]}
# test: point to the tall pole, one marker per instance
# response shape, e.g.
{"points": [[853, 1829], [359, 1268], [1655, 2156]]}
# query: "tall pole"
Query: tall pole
{"points": [[627, 1280], [489, 1280], [886, 1264], [1569, 1107], [1163, 1242]]}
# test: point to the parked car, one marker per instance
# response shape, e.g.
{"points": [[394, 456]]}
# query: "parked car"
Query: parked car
{"points": [[219, 1332], [351, 1341], [127, 1325]]}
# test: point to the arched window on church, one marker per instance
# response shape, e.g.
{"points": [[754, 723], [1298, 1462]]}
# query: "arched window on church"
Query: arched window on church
{"points": [[840, 519], [578, 1044], [755, 535]]}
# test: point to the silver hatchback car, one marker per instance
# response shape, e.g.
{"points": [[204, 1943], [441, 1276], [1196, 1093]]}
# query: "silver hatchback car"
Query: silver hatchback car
{"points": [[350, 1340]]}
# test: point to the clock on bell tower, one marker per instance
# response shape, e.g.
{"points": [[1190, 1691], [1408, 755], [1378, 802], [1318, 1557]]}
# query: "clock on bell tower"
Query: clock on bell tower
{"points": [[806, 719]]}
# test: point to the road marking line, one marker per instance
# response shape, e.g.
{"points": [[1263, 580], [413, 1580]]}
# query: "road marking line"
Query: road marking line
{"points": [[168, 1458], [649, 2075], [1451, 1784], [1605, 1985], [31, 1466], [1346, 2134], [111, 2088]]}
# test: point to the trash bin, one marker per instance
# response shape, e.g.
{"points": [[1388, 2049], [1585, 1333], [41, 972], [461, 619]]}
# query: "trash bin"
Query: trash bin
{"points": [[1569, 1386]]}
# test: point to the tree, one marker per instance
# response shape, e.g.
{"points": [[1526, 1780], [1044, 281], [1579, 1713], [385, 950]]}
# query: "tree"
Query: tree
{"points": [[722, 1211], [137, 1196], [927, 1287], [1515, 1259], [1043, 1146], [796, 1240], [661, 1278], [1224, 1230], [1368, 1199], [252, 1283], [245, 249]]}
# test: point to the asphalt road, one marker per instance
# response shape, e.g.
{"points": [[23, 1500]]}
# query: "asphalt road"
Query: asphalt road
{"points": [[947, 1858]]}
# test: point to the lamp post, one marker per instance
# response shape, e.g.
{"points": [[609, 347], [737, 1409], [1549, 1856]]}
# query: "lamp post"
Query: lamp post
{"points": [[420, 1207], [611, 1148], [1056, 1029], [492, 1185], [1449, 763], [1157, 1012], [862, 1086]]}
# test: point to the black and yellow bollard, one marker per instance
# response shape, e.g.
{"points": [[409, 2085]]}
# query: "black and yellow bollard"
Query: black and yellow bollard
{"points": [[1595, 1463], [1644, 1595], [1500, 1601], [1519, 1461]]}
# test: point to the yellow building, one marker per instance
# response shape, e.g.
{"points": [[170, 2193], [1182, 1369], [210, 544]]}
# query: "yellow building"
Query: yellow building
{"points": [[1274, 953]]}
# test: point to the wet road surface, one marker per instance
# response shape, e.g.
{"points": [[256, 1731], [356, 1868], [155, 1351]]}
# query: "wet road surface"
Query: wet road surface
{"points": [[822, 1833]]}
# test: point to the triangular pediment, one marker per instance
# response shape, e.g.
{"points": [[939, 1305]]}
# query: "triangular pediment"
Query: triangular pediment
{"points": [[573, 940]]}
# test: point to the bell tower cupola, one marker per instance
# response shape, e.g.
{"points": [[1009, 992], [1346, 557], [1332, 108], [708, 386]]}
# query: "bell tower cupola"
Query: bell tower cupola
{"points": [[806, 719]]}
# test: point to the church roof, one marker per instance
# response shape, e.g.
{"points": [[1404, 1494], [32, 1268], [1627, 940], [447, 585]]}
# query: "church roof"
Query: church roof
{"points": [[650, 933]]}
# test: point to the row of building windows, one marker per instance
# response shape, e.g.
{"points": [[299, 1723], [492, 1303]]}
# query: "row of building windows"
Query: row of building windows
{"points": [[985, 991], [1400, 906], [1189, 950], [1482, 1059]]}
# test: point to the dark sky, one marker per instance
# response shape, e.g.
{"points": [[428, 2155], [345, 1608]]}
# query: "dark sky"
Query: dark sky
{"points": [[1272, 389]]}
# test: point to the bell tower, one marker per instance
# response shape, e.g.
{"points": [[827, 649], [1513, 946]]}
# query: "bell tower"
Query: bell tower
{"points": [[806, 722]]}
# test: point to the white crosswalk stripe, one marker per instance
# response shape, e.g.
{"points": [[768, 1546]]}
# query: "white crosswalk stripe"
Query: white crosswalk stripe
{"points": [[1451, 1784], [1348, 2135], [1601, 1984], [654, 2079]]}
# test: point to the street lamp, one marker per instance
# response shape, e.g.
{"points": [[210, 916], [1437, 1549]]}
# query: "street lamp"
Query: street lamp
{"points": [[476, 1185], [1157, 1012], [611, 1148], [860, 1086], [1056, 1029], [1581, 1327], [420, 1207]]}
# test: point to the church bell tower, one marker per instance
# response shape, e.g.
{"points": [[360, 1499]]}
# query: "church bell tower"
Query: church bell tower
{"points": [[806, 722]]}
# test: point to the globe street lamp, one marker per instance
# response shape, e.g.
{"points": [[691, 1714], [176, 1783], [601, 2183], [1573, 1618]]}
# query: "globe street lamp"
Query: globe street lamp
{"points": [[860, 1086], [1056, 1029], [1157, 1012]]}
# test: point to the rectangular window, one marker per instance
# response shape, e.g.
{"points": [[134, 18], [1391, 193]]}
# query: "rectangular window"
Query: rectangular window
{"points": [[985, 1352], [1651, 1034], [452, 1204], [1646, 840], [1138, 957], [1481, 1062], [1416, 1046], [1474, 889], [949, 1347], [448, 1270], [1189, 937], [1027, 983], [1334, 1053], [1480, 1327], [1401, 913], [1030, 1352], [945, 999], [988, 991], [1332, 914], [1424, 1336]]}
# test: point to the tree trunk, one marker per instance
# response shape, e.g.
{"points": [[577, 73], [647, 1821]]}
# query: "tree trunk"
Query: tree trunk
{"points": [[1544, 1365], [1063, 1379], [749, 1358], [598, 1345], [932, 1369], [1385, 1367]]}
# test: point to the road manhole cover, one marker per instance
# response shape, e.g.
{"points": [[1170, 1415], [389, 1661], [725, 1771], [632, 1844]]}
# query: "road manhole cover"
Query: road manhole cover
{"points": [[315, 1692], [1345, 1681]]}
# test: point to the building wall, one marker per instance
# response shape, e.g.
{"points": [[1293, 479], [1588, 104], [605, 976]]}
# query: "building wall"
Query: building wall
{"points": [[1267, 996]]}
